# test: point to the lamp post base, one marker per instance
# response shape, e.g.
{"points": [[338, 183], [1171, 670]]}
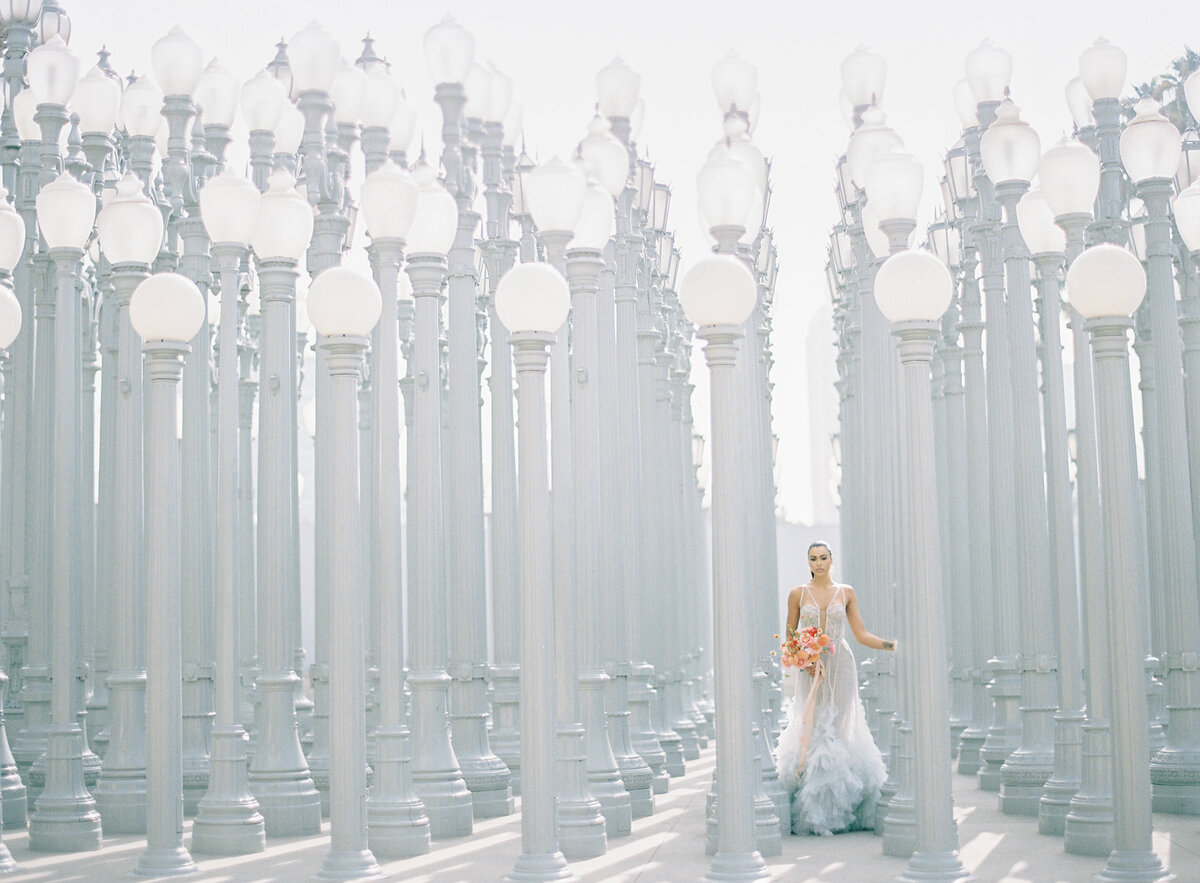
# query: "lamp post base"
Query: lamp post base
{"points": [[397, 826], [279, 778], [1088, 826], [927, 867], [1133, 866], [581, 825], [227, 818], [1175, 782], [537, 867], [350, 864], [644, 739], [165, 862], [64, 817], [737, 866], [1064, 782], [1023, 778], [969, 744]]}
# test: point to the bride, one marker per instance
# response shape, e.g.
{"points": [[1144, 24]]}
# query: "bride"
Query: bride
{"points": [[826, 757]]}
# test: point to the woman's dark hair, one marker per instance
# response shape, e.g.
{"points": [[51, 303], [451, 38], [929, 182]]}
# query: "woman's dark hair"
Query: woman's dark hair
{"points": [[819, 544]]}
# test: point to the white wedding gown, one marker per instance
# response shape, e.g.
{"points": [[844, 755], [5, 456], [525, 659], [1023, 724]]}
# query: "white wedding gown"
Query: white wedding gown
{"points": [[838, 787]]}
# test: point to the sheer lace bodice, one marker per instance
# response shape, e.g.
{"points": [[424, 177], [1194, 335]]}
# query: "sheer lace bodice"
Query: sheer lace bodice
{"points": [[834, 615]]}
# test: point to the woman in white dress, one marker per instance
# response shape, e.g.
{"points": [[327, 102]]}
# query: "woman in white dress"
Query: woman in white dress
{"points": [[827, 759]]}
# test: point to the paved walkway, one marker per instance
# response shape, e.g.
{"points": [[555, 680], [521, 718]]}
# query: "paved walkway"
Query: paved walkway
{"points": [[667, 846]]}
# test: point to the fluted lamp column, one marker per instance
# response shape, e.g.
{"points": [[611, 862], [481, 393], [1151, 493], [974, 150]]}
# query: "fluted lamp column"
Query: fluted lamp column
{"points": [[1106, 284], [584, 262], [166, 310], [718, 295], [130, 229], [1150, 147], [912, 290], [617, 88], [397, 826], [344, 305], [532, 301], [449, 51], [1047, 242], [1070, 176], [437, 777], [65, 817], [554, 194], [10, 326]]}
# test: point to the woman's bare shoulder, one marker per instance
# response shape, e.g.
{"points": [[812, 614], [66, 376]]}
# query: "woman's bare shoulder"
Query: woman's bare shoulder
{"points": [[849, 590], [796, 592]]}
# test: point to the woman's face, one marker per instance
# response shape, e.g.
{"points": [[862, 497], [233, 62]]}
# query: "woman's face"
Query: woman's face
{"points": [[819, 561]]}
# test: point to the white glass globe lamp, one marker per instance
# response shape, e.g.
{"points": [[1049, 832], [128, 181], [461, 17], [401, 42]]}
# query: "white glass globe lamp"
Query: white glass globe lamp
{"points": [[167, 307], [1106, 280], [130, 226], [913, 286], [717, 290], [344, 302], [533, 297], [284, 224]]}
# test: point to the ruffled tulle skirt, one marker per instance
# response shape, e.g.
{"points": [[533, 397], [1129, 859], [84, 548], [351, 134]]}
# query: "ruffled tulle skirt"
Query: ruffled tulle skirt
{"points": [[838, 786]]}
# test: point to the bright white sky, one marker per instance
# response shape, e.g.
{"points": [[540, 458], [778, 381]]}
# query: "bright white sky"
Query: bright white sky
{"points": [[553, 49]]}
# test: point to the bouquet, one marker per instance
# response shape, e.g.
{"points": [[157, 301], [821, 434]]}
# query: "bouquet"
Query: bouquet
{"points": [[806, 647]]}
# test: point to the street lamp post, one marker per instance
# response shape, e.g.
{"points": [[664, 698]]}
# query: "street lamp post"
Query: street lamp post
{"points": [[166, 310], [1047, 242], [437, 777], [1105, 285], [449, 50], [554, 195], [718, 294], [65, 816], [1149, 145], [988, 70], [130, 229], [530, 300], [10, 326], [913, 289], [1070, 176], [344, 306], [396, 821], [1010, 151]]}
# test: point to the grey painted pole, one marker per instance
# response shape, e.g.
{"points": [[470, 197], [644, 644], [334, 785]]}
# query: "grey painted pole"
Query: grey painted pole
{"points": [[198, 527], [1026, 770], [736, 858], [397, 826], [935, 855], [582, 825], [165, 854], [1004, 734], [121, 790], [1132, 858], [540, 857], [1064, 780], [349, 858], [604, 780], [437, 778], [1088, 827], [227, 817], [279, 776], [1175, 771], [34, 652], [500, 254], [485, 774], [617, 569], [629, 457], [65, 817]]}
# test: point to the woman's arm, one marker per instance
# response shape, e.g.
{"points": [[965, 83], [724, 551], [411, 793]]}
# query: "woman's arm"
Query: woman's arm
{"points": [[861, 634], [793, 614]]}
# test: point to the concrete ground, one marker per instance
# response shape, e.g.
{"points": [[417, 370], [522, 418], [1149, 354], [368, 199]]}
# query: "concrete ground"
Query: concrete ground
{"points": [[667, 846]]}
